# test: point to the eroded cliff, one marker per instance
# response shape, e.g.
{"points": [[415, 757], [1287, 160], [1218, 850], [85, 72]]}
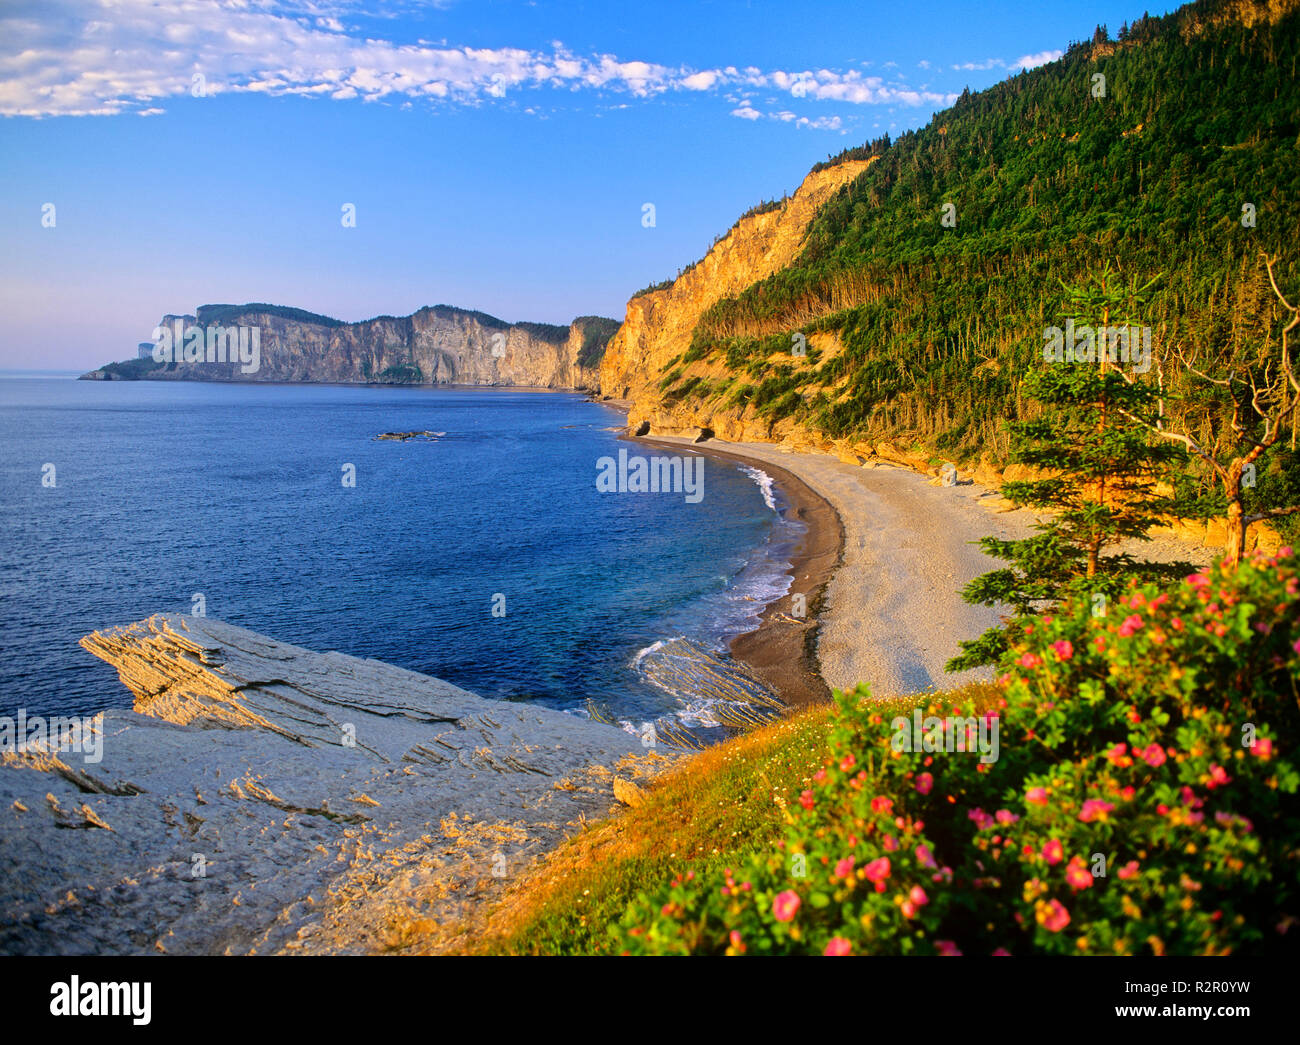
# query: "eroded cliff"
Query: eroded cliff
{"points": [[436, 345]]}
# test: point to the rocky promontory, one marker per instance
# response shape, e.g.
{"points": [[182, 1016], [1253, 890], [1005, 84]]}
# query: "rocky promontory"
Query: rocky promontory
{"points": [[263, 797], [440, 345]]}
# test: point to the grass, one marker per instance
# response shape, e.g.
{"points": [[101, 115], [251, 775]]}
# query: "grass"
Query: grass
{"points": [[711, 808]]}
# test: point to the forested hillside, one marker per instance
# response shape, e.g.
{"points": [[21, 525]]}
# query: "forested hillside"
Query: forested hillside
{"points": [[1170, 151]]}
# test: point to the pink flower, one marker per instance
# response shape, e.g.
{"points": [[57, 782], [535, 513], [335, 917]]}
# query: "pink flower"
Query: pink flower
{"points": [[1053, 853], [1131, 624], [1006, 816], [1262, 748], [1064, 648], [1036, 796], [806, 799], [844, 868], [1077, 875], [918, 897], [1296, 645], [947, 948], [1030, 660], [1218, 777], [1053, 916], [838, 947], [736, 942], [924, 857], [1116, 756], [847, 763], [890, 843], [1197, 579], [1154, 755], [1001, 952], [877, 871], [880, 804], [785, 906], [1094, 809], [924, 782], [1128, 870], [981, 818]]}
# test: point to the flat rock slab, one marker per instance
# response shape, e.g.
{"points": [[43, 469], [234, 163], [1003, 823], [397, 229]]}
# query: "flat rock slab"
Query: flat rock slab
{"points": [[256, 783]]}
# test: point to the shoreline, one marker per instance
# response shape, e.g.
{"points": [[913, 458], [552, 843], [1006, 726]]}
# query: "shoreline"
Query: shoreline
{"points": [[884, 578], [782, 650]]}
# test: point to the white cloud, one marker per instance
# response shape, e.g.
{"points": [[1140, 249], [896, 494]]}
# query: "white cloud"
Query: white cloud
{"points": [[1033, 61], [104, 57], [746, 112]]}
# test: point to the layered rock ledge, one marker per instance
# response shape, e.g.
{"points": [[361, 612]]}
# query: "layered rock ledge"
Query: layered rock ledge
{"points": [[264, 797]]}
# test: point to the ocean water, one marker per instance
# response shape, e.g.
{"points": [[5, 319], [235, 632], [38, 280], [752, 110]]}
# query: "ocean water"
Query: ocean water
{"points": [[164, 492]]}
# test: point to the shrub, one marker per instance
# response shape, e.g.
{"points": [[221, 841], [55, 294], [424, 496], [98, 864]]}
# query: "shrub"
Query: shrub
{"points": [[1143, 799]]}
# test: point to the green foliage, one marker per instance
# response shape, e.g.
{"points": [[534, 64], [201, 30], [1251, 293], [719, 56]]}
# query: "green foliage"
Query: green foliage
{"points": [[230, 315], [596, 333], [1143, 799], [1099, 469], [400, 374], [940, 326]]}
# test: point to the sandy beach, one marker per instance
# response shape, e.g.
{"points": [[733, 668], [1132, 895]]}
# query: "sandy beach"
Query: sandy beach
{"points": [[883, 562]]}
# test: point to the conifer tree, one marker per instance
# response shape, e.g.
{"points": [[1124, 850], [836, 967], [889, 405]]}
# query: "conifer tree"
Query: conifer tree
{"points": [[1097, 471]]}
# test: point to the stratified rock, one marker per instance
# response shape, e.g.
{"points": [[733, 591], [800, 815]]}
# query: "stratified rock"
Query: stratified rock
{"points": [[256, 779]]}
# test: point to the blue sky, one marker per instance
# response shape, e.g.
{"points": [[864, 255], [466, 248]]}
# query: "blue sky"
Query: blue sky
{"points": [[498, 154]]}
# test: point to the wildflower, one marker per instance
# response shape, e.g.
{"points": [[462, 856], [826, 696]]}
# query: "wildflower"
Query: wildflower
{"points": [[1005, 816], [1128, 870], [806, 799], [918, 897], [737, 944], [1077, 874], [1053, 853], [924, 857], [785, 906], [877, 871], [1030, 660], [1197, 579], [880, 804], [1218, 777], [1262, 748], [1095, 809], [890, 843], [924, 782], [838, 947], [1052, 915], [1132, 623], [847, 763], [1116, 756], [1001, 952], [947, 948], [844, 868], [1036, 796], [1153, 755], [1063, 648]]}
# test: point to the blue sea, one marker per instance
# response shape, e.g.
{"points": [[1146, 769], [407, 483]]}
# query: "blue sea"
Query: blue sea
{"points": [[163, 492]]}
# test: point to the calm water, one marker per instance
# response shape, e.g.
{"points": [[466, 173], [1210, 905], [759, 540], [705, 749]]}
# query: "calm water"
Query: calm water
{"points": [[168, 490]]}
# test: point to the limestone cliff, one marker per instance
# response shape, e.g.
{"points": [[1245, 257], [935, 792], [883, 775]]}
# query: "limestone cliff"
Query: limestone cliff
{"points": [[437, 345], [659, 323]]}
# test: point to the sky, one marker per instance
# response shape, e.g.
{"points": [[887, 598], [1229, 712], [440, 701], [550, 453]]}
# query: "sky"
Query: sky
{"points": [[496, 155]]}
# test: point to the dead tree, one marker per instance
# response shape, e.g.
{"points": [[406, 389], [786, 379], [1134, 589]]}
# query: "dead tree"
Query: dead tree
{"points": [[1263, 396]]}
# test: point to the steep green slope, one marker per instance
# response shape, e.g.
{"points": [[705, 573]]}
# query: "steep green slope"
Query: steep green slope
{"points": [[1050, 179]]}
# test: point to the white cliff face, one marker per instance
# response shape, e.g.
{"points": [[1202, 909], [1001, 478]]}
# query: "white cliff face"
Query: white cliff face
{"points": [[256, 782], [439, 345]]}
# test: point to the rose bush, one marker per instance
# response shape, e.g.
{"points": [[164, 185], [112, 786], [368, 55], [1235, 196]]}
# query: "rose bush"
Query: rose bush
{"points": [[1143, 800]]}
